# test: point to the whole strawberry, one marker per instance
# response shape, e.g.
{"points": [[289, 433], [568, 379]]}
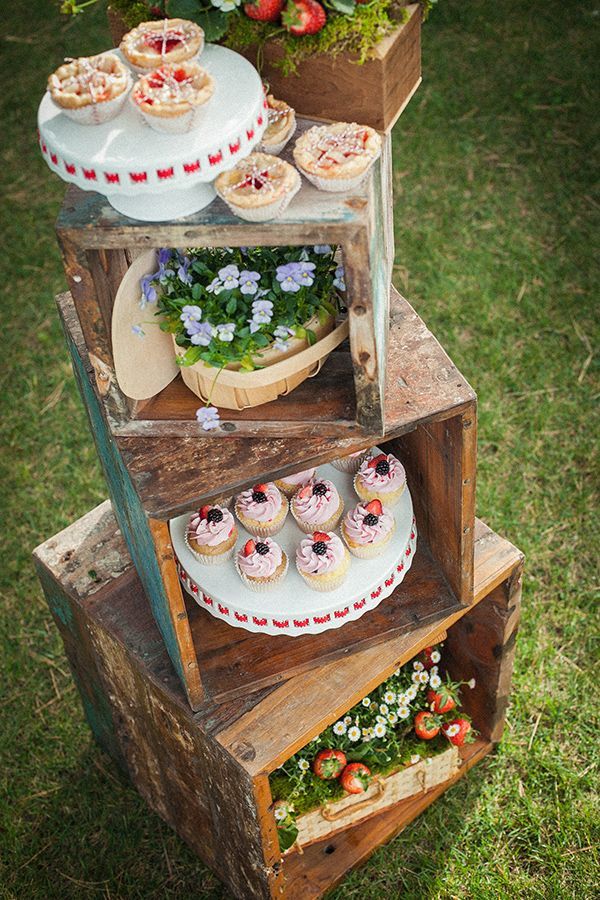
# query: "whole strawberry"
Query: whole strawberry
{"points": [[427, 726], [458, 731], [329, 764], [264, 10], [443, 700], [355, 778], [302, 17]]}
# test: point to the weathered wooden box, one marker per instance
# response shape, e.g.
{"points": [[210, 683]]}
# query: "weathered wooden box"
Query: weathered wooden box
{"points": [[337, 88], [99, 244], [207, 773], [153, 479]]}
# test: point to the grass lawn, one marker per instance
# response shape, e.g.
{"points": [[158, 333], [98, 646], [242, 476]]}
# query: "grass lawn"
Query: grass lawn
{"points": [[495, 224]]}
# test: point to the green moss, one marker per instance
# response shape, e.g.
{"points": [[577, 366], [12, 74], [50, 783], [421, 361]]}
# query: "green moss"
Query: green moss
{"points": [[357, 34], [132, 13]]}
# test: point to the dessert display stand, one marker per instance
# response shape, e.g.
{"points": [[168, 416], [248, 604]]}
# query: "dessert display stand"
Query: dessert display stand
{"points": [[206, 774]]}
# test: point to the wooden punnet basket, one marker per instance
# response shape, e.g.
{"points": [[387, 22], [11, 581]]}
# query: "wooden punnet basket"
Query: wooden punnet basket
{"points": [[381, 794], [236, 389]]}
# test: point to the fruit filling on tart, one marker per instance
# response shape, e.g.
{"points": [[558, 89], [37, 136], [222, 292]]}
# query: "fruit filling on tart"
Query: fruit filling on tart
{"points": [[259, 178], [93, 79], [171, 40], [181, 85], [343, 146]]}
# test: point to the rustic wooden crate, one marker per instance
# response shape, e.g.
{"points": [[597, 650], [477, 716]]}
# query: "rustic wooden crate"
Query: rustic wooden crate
{"points": [[98, 245], [207, 773], [154, 479], [336, 88]]}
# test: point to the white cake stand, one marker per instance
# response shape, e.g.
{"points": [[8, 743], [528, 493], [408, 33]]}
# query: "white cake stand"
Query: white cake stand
{"points": [[155, 177], [291, 607]]}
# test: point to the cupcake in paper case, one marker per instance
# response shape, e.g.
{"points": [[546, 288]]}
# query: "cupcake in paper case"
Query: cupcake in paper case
{"points": [[323, 561], [291, 483], [151, 44], [91, 90], [350, 463], [381, 477], [211, 535], [281, 127], [367, 529], [173, 98], [317, 506], [262, 509], [259, 187], [261, 564], [337, 157]]}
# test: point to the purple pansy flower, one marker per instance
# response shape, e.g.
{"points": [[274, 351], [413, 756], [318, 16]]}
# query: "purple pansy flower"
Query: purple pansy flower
{"points": [[286, 276], [321, 249], [149, 294], [282, 334], [208, 417], [182, 271], [202, 334], [304, 273], [262, 313], [190, 314], [230, 277], [249, 282], [215, 287], [226, 332], [137, 329], [164, 257], [339, 281]]}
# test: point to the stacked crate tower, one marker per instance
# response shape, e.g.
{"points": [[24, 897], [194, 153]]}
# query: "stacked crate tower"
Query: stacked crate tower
{"points": [[200, 713]]}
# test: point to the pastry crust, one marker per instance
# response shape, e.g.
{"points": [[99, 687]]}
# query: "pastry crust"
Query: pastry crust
{"points": [[173, 90], [282, 120], [342, 150], [258, 180], [89, 81], [169, 41]]}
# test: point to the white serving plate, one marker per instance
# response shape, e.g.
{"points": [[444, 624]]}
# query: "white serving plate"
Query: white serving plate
{"points": [[155, 177], [291, 607]]}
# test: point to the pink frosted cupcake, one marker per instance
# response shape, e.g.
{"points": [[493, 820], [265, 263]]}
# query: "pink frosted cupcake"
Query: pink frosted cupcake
{"points": [[211, 535], [317, 506], [261, 564], [323, 561], [290, 484], [381, 477], [367, 529], [262, 509], [350, 463]]}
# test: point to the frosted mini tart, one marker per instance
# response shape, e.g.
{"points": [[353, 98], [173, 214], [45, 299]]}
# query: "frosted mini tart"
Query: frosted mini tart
{"points": [[173, 98], [259, 187], [317, 506], [211, 535], [381, 477], [337, 157], [261, 564], [367, 529], [262, 509], [151, 44], [323, 561], [281, 127], [91, 89]]}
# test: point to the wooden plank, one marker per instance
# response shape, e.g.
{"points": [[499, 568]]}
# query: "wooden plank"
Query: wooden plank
{"points": [[324, 864]]}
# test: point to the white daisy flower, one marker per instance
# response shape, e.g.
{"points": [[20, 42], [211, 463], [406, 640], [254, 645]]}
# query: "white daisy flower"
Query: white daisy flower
{"points": [[403, 699], [347, 720], [411, 692], [434, 670], [367, 734], [435, 681], [303, 765], [418, 666], [471, 682], [403, 712], [380, 730], [389, 696], [423, 677], [339, 728], [366, 701], [354, 733], [381, 719], [415, 677], [280, 814], [415, 758], [384, 709], [451, 730], [435, 656], [392, 718]]}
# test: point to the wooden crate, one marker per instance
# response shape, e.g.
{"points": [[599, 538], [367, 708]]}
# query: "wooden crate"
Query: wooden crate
{"points": [[336, 88], [154, 479], [207, 774], [99, 244]]}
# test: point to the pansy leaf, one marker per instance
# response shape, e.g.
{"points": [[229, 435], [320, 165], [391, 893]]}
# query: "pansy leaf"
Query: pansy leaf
{"points": [[231, 306], [196, 291]]}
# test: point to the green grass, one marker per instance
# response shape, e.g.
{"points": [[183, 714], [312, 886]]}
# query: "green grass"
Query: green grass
{"points": [[495, 247]]}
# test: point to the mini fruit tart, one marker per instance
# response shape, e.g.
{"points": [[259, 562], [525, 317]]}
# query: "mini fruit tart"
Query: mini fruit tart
{"points": [[259, 187], [261, 564], [282, 125], [367, 529], [92, 89], [152, 44], [337, 157], [173, 99]]}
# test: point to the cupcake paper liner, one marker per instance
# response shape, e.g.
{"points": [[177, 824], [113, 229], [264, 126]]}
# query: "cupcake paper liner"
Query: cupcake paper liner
{"points": [[349, 464], [338, 185], [316, 583], [210, 560], [263, 529], [261, 587], [97, 113], [368, 551], [181, 124], [388, 498], [275, 149], [269, 210], [330, 525]]}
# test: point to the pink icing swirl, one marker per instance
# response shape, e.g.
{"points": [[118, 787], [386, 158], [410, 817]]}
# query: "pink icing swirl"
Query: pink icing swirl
{"points": [[318, 508], [208, 533], [312, 563], [395, 478], [300, 478], [257, 565], [260, 512], [360, 533]]}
